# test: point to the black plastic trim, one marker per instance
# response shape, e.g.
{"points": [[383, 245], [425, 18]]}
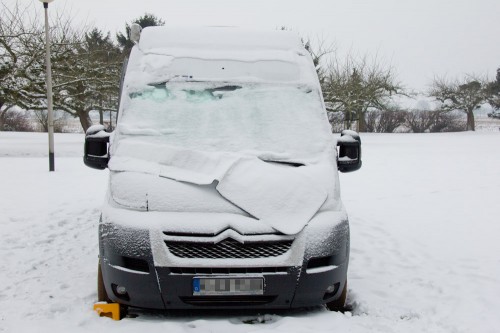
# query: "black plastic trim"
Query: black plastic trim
{"points": [[228, 300]]}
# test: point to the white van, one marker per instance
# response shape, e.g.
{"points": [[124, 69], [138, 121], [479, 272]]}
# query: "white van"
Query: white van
{"points": [[223, 188]]}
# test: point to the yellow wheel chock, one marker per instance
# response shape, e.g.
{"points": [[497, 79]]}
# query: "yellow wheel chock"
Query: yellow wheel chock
{"points": [[111, 310]]}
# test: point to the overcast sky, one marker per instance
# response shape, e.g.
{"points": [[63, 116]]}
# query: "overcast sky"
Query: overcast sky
{"points": [[420, 38]]}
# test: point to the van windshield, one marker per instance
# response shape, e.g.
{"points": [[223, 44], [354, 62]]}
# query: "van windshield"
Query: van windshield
{"points": [[287, 120]]}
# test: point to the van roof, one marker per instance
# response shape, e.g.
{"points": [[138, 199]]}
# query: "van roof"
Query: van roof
{"points": [[226, 54], [171, 41]]}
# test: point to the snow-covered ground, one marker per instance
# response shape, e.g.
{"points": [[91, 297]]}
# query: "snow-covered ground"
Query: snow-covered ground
{"points": [[425, 249]]}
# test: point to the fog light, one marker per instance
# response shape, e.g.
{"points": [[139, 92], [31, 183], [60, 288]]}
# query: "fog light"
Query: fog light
{"points": [[121, 290], [330, 289]]}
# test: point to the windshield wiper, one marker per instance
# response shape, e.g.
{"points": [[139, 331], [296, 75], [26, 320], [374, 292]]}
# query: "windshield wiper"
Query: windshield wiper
{"points": [[293, 164], [223, 88]]}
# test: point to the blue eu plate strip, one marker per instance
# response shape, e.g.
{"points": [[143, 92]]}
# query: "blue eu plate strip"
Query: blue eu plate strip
{"points": [[196, 285]]}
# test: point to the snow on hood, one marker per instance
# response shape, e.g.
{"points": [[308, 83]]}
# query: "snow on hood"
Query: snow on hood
{"points": [[283, 197]]}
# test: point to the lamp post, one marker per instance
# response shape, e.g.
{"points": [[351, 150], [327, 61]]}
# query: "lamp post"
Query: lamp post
{"points": [[49, 86]]}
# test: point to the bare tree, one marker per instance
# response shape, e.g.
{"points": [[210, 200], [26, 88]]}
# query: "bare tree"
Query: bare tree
{"points": [[421, 121], [384, 121], [336, 120], [23, 41], [15, 120], [318, 50], [42, 118], [465, 95], [87, 77], [13, 66], [355, 86], [85, 65]]}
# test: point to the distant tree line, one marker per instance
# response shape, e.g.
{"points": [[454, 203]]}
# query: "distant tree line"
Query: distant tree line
{"points": [[87, 62], [360, 92]]}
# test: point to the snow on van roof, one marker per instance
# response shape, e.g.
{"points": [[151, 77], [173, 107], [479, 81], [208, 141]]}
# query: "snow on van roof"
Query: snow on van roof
{"points": [[163, 39], [219, 54]]}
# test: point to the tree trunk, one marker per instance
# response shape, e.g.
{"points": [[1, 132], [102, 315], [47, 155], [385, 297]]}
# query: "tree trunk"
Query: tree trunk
{"points": [[110, 122], [84, 120], [361, 122], [348, 119], [471, 125], [2, 114], [101, 113]]}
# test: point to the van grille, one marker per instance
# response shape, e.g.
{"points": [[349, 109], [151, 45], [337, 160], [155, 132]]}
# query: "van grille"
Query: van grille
{"points": [[228, 248]]}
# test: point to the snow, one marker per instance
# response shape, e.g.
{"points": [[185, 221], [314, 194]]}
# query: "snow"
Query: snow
{"points": [[320, 269], [193, 117], [281, 198], [218, 54], [212, 116], [95, 129], [291, 195], [226, 38], [245, 182], [425, 255], [222, 47]]}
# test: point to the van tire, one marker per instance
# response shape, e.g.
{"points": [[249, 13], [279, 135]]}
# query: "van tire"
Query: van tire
{"points": [[102, 295], [338, 304]]}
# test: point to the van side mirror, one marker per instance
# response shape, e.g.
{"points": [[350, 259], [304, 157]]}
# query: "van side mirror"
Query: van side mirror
{"points": [[349, 154], [96, 147]]}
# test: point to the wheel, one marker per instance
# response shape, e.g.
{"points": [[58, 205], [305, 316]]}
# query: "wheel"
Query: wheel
{"points": [[338, 304], [102, 295]]}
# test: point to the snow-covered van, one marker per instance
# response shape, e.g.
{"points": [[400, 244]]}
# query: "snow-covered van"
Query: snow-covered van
{"points": [[223, 176]]}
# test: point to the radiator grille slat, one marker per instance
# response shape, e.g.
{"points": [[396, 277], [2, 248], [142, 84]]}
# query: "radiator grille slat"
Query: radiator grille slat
{"points": [[228, 248]]}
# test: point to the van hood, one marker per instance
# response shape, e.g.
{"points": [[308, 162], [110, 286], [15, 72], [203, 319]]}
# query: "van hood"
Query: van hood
{"points": [[266, 187]]}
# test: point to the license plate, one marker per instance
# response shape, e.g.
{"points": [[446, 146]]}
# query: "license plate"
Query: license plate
{"points": [[228, 286]]}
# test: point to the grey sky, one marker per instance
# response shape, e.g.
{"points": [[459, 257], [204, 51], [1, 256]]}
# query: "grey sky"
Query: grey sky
{"points": [[419, 38]]}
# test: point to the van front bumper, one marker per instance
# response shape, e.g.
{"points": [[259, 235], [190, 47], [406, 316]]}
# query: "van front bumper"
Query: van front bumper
{"points": [[134, 277], [162, 289]]}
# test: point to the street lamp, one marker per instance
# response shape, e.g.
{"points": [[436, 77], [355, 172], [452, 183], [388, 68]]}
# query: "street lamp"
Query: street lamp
{"points": [[49, 86]]}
